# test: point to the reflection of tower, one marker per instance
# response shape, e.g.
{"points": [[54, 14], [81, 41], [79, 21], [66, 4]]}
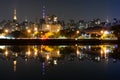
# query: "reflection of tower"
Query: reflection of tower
{"points": [[14, 64], [43, 68], [43, 12], [14, 16]]}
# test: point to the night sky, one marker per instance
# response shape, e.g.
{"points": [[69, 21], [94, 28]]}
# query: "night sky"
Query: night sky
{"points": [[64, 9]]}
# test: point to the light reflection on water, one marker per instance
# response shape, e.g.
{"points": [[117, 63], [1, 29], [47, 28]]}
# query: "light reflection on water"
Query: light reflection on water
{"points": [[43, 62]]}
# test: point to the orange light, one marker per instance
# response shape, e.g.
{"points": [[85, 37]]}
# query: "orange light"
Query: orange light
{"points": [[29, 31]]}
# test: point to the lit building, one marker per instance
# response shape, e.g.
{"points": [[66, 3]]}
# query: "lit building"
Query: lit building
{"points": [[51, 27], [95, 22], [82, 24], [51, 24], [52, 19]]}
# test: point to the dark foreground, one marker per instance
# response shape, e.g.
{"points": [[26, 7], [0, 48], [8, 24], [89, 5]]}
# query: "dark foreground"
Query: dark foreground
{"points": [[56, 41]]}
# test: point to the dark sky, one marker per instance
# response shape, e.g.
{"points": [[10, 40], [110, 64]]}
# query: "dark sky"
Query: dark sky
{"points": [[64, 9]]}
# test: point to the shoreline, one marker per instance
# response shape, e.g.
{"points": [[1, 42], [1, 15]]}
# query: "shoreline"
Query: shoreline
{"points": [[56, 41]]}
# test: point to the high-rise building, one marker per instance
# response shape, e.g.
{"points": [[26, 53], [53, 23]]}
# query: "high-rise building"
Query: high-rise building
{"points": [[43, 12], [107, 20], [15, 15], [51, 19]]}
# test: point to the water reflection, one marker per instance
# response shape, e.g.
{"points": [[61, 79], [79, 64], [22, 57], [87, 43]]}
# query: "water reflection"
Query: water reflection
{"points": [[51, 55], [54, 55]]}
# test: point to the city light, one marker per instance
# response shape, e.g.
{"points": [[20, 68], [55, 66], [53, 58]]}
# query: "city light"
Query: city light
{"points": [[6, 30], [47, 57], [2, 47], [14, 63], [35, 29], [6, 53], [77, 32], [29, 31], [55, 62]]}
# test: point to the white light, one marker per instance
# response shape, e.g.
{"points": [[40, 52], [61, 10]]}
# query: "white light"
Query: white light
{"points": [[48, 57], [29, 31], [2, 36], [6, 31], [35, 53], [2, 47], [48, 26], [35, 29], [55, 62], [77, 32], [106, 32], [6, 53]]}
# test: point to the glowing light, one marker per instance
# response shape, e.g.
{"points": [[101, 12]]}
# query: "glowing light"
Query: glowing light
{"points": [[55, 62], [15, 17], [106, 32], [35, 29], [28, 53], [6, 53], [55, 19], [16, 55], [41, 32], [1, 36], [35, 53], [102, 32], [76, 39], [26, 59], [48, 26], [14, 63], [58, 52], [77, 32], [101, 52], [98, 58], [43, 38], [76, 44], [47, 57], [77, 51], [2, 47], [29, 31], [49, 49], [6, 31], [58, 30], [105, 51]]}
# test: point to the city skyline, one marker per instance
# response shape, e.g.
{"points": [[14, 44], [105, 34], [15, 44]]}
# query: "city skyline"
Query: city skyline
{"points": [[64, 9]]}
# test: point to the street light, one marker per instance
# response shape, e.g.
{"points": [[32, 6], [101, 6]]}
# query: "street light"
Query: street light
{"points": [[35, 29], [77, 32], [102, 32], [6, 31], [29, 31]]}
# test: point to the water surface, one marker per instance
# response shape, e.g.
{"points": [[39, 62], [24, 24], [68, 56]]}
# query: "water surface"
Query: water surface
{"points": [[61, 62]]}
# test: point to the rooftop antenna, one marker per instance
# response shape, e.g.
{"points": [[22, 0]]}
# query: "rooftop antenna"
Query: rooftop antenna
{"points": [[43, 11]]}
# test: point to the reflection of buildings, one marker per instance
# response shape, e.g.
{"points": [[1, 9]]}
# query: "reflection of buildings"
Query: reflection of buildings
{"points": [[52, 55], [14, 64], [95, 53]]}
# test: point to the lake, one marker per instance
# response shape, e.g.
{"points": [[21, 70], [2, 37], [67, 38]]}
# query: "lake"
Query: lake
{"points": [[60, 62]]}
